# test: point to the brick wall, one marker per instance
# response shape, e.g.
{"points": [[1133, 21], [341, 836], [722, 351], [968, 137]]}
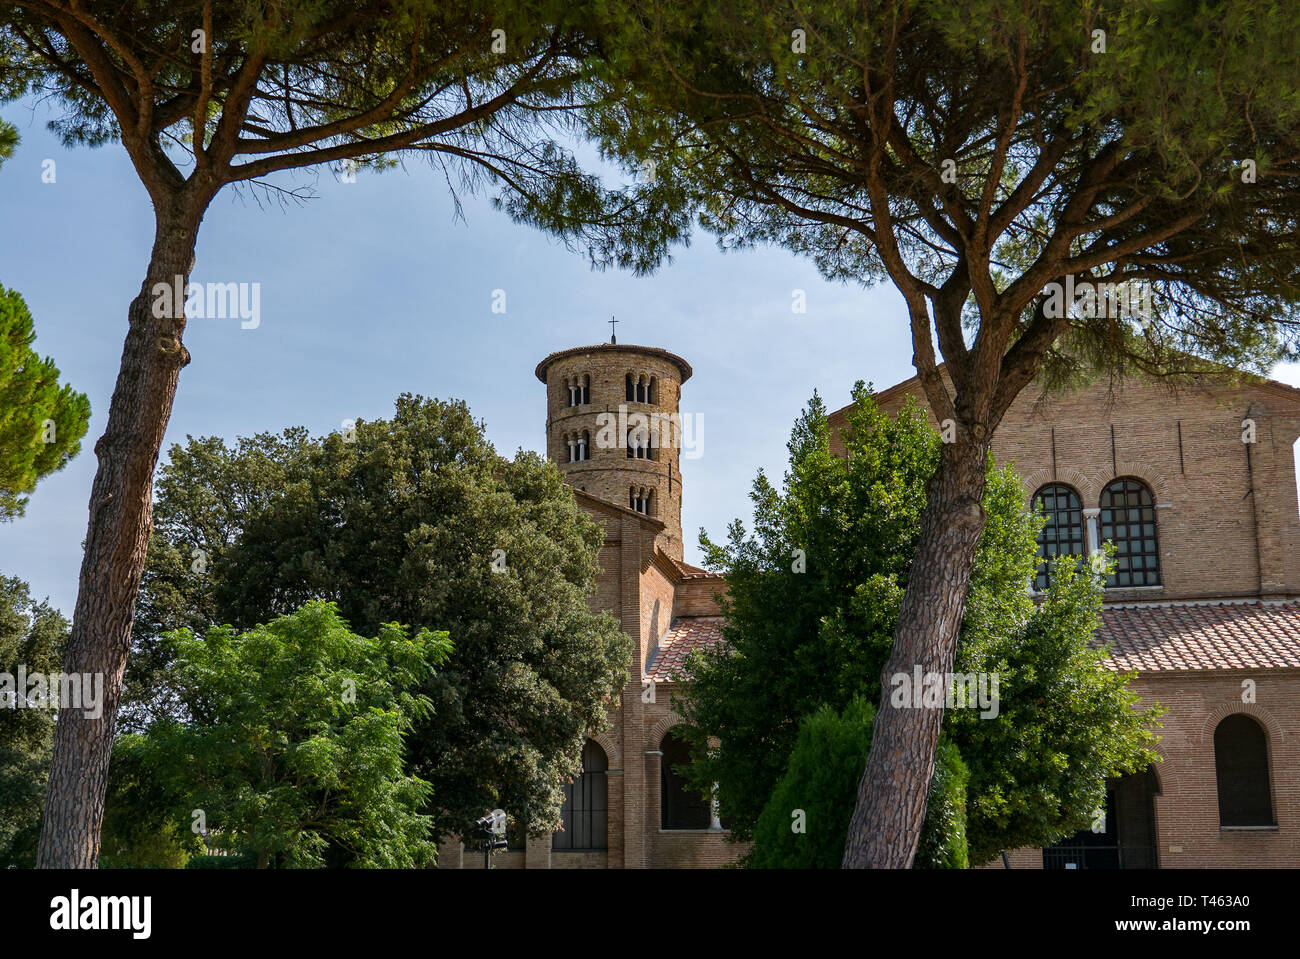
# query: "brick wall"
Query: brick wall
{"points": [[1228, 527], [609, 474], [1187, 808], [695, 597], [1216, 539], [656, 608]]}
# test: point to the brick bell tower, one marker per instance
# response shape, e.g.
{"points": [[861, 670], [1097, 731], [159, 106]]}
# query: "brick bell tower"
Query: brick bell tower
{"points": [[613, 427]]}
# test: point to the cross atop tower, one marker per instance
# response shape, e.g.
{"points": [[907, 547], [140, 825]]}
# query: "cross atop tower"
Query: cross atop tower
{"points": [[612, 337]]}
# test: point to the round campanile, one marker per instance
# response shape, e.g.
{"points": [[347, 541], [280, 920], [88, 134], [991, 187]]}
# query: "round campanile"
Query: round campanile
{"points": [[613, 427]]}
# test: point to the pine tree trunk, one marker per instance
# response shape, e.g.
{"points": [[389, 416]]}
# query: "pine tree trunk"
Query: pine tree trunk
{"points": [[121, 519], [886, 825]]}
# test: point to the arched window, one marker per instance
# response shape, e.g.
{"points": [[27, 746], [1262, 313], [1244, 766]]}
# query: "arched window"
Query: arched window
{"points": [[585, 813], [1128, 519], [584, 445], [652, 391], [680, 806], [1063, 532], [1241, 768], [579, 390], [631, 389], [638, 444], [638, 498]]}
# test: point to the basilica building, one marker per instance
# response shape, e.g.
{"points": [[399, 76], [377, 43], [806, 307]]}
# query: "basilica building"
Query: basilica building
{"points": [[1196, 489]]}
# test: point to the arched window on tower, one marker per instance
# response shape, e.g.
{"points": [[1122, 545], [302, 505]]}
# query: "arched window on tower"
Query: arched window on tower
{"points": [[680, 807], [585, 813], [1063, 532], [638, 499], [1241, 769], [652, 390], [638, 444], [584, 445], [1128, 519], [631, 388], [641, 388], [579, 389]]}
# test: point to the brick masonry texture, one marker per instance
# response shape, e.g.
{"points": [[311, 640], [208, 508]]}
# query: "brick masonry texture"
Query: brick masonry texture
{"points": [[1229, 543], [609, 474], [1227, 608]]}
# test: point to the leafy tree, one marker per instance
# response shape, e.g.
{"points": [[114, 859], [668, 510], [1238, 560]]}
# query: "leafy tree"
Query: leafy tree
{"points": [[144, 824], [10, 84], [804, 823], [984, 156], [943, 837], [205, 95], [41, 422], [802, 635], [295, 749], [1065, 722], [205, 495], [403, 522], [32, 634]]}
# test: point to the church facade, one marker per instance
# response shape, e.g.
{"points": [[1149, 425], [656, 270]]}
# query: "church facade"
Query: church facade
{"points": [[1197, 491]]}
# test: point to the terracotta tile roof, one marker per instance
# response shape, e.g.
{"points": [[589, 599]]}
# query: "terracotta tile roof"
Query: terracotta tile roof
{"points": [[694, 572], [686, 633], [683, 367], [1226, 635], [1146, 638]]}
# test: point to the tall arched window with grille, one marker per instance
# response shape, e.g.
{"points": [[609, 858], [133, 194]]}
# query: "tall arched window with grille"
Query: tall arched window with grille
{"points": [[680, 807], [1241, 770], [1128, 519], [585, 813], [1062, 535]]}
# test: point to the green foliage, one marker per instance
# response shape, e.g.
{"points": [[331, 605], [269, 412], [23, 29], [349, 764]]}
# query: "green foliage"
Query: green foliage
{"points": [[401, 522], [943, 835], [804, 823], [972, 152], [221, 862], [33, 635], [295, 747], [204, 496], [41, 422], [1065, 722], [8, 141], [796, 640], [820, 782], [487, 92], [141, 828]]}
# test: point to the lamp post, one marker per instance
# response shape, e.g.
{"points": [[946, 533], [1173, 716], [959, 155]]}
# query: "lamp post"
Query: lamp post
{"points": [[491, 830]]}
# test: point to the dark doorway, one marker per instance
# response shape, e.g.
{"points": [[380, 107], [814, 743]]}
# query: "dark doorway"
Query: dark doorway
{"points": [[1124, 839]]}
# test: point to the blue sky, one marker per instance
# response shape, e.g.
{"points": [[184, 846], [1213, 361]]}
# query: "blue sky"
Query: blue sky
{"points": [[375, 288]]}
